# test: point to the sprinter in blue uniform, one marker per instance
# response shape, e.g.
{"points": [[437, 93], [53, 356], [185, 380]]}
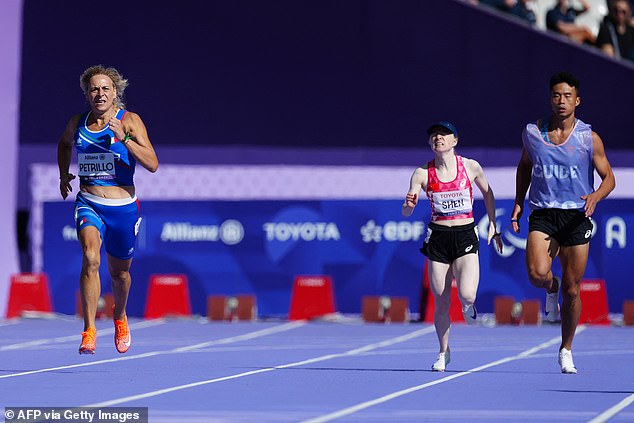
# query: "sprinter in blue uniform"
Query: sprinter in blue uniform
{"points": [[109, 142], [559, 157]]}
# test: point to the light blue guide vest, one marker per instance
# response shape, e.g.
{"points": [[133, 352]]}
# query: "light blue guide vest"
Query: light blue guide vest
{"points": [[561, 173]]}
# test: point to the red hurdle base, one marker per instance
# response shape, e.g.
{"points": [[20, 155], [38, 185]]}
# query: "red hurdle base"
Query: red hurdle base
{"points": [[503, 309], [168, 296], [382, 309], [29, 292], [594, 302], [240, 307], [628, 312], [531, 312], [312, 297]]}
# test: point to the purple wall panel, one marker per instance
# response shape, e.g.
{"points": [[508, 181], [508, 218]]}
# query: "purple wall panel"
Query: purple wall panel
{"points": [[10, 26], [315, 73]]}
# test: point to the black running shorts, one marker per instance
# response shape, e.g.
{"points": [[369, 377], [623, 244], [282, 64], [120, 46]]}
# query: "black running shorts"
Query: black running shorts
{"points": [[567, 227], [445, 244]]}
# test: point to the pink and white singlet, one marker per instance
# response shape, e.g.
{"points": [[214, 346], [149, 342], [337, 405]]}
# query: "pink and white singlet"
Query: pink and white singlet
{"points": [[450, 200]]}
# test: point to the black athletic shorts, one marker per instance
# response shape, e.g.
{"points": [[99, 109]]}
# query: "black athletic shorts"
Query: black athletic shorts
{"points": [[444, 244], [567, 227]]}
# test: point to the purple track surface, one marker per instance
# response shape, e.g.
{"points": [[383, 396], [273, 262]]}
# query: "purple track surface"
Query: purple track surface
{"points": [[197, 371]]}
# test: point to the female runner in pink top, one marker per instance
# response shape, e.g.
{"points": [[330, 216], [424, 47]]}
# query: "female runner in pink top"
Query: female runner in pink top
{"points": [[451, 244]]}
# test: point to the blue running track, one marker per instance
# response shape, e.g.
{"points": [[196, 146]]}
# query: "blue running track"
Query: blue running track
{"points": [[276, 371]]}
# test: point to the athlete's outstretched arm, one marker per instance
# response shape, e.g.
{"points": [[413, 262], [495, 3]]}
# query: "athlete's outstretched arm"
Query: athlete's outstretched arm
{"points": [[489, 201], [523, 177], [602, 165], [417, 182], [64, 156], [138, 143]]}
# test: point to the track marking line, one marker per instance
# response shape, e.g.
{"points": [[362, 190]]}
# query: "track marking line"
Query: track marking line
{"points": [[61, 339], [9, 322], [251, 335], [238, 338], [353, 409], [613, 411], [355, 351]]}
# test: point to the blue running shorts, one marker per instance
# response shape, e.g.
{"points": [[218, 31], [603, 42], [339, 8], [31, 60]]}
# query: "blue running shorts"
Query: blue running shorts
{"points": [[116, 219]]}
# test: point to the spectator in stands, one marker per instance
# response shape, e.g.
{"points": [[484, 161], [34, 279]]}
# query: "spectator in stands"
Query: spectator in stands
{"points": [[452, 243], [616, 34], [523, 9], [109, 141], [610, 4], [562, 17]]}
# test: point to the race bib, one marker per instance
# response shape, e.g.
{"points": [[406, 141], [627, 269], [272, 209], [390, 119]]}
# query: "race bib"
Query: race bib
{"points": [[96, 166], [451, 203]]}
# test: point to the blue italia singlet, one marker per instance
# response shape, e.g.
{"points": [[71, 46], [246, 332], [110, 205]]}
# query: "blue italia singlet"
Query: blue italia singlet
{"points": [[102, 159], [562, 173]]}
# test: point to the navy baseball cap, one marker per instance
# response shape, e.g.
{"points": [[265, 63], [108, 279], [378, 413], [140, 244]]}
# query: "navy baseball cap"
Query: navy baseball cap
{"points": [[443, 124]]}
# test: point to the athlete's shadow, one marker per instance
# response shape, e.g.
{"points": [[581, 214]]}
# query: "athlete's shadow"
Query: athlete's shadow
{"points": [[358, 369], [588, 391]]}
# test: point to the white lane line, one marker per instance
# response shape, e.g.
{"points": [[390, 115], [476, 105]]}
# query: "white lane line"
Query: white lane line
{"points": [[353, 409], [9, 322], [238, 338], [251, 335], [61, 339], [355, 351], [613, 411]]}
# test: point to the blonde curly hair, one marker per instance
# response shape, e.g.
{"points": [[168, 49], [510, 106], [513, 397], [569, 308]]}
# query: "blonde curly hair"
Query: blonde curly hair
{"points": [[117, 79]]}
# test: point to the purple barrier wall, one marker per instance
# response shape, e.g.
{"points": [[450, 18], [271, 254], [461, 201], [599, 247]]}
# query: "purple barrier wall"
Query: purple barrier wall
{"points": [[10, 26], [323, 73]]}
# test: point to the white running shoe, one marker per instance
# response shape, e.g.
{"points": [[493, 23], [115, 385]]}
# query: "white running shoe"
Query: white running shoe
{"points": [[552, 302], [441, 362], [566, 363], [470, 314]]}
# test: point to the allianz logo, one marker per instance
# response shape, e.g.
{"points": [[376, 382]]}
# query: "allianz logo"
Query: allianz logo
{"points": [[392, 231], [230, 232], [305, 231]]}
